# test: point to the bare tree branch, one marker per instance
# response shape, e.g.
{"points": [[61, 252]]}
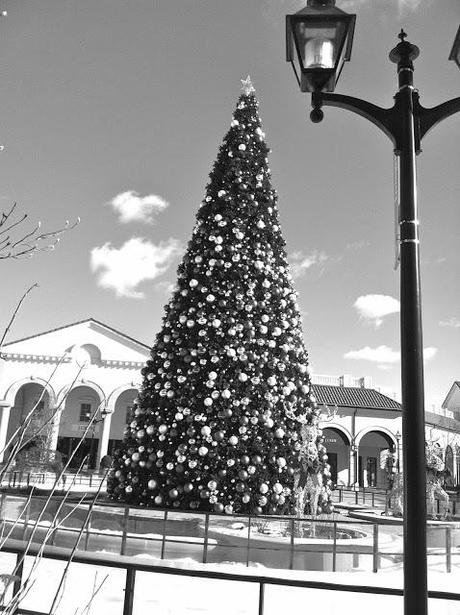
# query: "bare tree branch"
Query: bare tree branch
{"points": [[27, 241]]}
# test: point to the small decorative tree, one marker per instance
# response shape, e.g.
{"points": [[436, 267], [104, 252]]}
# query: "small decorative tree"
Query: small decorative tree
{"points": [[215, 423]]}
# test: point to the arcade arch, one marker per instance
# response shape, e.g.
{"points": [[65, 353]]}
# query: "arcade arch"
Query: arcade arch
{"points": [[26, 397], [449, 461], [122, 404], [79, 405], [370, 445], [337, 442]]}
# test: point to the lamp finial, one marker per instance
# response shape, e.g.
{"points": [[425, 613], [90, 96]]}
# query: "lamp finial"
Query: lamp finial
{"points": [[320, 4]]}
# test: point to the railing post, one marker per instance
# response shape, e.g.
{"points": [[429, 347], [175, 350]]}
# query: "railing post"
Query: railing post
{"points": [[163, 542], [375, 548], [88, 531], [248, 546], [26, 520], [54, 530], [291, 558], [340, 495], [129, 591], [20, 557], [448, 549], [205, 546], [124, 531], [334, 548], [373, 499], [356, 496], [261, 598]]}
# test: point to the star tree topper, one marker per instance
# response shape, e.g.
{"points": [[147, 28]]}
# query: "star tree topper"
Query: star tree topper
{"points": [[246, 86]]}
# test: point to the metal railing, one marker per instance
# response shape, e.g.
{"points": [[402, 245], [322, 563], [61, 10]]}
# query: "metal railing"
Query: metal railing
{"points": [[212, 538], [132, 567], [17, 479]]}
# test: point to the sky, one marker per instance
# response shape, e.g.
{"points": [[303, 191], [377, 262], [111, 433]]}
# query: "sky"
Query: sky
{"points": [[113, 112]]}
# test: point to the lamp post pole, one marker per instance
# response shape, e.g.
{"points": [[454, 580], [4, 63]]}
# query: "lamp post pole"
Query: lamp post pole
{"points": [[406, 123], [412, 386]]}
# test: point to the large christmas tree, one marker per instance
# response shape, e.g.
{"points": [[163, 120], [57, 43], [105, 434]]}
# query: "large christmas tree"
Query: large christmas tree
{"points": [[215, 423]]}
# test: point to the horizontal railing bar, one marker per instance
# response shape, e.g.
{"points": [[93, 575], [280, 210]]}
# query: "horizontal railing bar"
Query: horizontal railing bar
{"points": [[125, 562]]}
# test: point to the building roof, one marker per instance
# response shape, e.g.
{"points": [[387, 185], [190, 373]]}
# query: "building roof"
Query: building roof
{"points": [[79, 322], [443, 422], [354, 397], [452, 390]]}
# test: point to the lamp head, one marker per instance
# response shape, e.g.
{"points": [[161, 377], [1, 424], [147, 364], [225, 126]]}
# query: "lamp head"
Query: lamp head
{"points": [[318, 42], [455, 51]]}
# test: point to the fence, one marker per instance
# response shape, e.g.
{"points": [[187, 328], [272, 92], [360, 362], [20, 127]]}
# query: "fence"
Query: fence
{"points": [[17, 479], [380, 498], [277, 542], [133, 568]]}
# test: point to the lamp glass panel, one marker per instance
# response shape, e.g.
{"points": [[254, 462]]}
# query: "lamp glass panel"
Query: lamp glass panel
{"points": [[319, 43]]}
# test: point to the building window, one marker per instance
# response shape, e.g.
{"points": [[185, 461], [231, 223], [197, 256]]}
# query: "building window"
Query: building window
{"points": [[85, 413], [129, 414]]}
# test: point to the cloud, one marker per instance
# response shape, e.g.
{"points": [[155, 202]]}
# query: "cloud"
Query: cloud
{"points": [[384, 355], [453, 322], [165, 286], [373, 308], [429, 353], [358, 245], [134, 208], [402, 5], [381, 354], [123, 269], [300, 262]]}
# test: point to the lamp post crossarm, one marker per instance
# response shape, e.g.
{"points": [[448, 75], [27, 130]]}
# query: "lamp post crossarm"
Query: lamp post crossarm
{"points": [[385, 119], [430, 117]]}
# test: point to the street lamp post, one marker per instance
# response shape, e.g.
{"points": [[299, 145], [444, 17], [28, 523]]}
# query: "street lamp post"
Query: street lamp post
{"points": [[319, 40]]}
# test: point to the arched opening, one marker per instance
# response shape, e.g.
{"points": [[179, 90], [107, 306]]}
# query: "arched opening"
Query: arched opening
{"points": [[338, 451], [31, 398], [121, 417], [371, 447], [449, 461], [80, 405]]}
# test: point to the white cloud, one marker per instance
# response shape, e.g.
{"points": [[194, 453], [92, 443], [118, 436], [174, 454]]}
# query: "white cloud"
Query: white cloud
{"points": [[300, 262], [381, 354], [384, 355], [429, 353], [402, 5], [374, 307], [452, 322], [358, 245], [134, 208], [165, 286], [123, 269]]}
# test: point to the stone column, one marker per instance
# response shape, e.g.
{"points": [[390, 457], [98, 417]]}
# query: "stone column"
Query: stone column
{"points": [[104, 439], [353, 478], [455, 477], [4, 420], [55, 429]]}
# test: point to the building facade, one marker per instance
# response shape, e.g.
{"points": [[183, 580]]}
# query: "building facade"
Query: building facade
{"points": [[89, 370]]}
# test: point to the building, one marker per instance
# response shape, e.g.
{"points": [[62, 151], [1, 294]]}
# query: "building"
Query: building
{"points": [[443, 427], [73, 372], [359, 425]]}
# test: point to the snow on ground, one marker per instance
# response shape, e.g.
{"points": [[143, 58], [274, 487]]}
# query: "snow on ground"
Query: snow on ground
{"points": [[164, 594]]}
